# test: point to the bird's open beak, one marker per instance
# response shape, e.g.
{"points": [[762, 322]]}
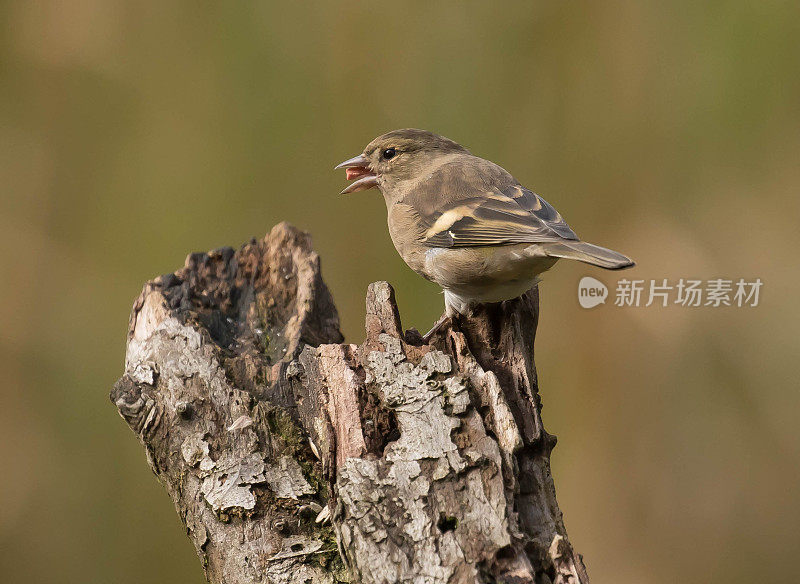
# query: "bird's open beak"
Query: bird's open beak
{"points": [[358, 168]]}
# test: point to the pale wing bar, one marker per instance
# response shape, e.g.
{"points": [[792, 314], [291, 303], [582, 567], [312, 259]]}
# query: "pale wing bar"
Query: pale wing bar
{"points": [[513, 215]]}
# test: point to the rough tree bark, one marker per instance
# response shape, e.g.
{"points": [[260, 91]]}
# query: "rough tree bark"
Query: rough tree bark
{"points": [[294, 458]]}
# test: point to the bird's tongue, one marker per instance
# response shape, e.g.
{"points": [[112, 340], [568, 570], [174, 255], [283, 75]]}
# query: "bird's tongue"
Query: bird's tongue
{"points": [[356, 172]]}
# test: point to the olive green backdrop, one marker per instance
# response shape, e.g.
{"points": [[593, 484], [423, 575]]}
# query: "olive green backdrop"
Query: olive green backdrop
{"points": [[132, 133]]}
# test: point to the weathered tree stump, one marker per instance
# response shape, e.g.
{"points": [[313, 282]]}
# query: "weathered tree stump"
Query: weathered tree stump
{"points": [[294, 458]]}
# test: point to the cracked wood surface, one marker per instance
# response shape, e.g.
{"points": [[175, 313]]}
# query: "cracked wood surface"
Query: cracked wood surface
{"points": [[294, 458]]}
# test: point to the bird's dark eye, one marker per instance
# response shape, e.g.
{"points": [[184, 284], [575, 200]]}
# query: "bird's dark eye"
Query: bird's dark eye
{"points": [[388, 153]]}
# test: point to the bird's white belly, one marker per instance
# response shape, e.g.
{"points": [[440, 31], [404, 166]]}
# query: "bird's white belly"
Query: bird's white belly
{"points": [[496, 292], [479, 275]]}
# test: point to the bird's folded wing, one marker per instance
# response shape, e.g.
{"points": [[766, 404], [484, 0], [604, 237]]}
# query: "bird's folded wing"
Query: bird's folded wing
{"points": [[510, 215]]}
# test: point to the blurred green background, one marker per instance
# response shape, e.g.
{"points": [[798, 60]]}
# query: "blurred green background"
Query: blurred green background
{"points": [[132, 133]]}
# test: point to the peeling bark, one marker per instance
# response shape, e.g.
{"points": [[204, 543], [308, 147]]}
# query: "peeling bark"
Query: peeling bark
{"points": [[294, 458]]}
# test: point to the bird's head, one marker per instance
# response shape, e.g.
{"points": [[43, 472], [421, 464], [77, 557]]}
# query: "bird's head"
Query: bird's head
{"points": [[396, 157]]}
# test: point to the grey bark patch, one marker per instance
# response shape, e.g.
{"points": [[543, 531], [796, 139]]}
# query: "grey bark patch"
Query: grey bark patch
{"points": [[229, 486], [195, 451], [285, 479]]}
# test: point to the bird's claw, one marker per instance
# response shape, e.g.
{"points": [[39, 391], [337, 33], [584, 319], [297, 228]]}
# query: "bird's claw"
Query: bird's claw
{"points": [[441, 324]]}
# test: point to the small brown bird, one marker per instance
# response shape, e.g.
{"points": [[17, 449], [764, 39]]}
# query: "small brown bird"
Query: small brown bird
{"points": [[464, 222]]}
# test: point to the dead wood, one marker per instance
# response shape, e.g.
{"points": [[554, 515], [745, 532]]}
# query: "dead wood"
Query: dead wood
{"points": [[294, 458]]}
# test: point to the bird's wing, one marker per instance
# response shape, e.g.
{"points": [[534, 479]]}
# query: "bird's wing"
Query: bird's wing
{"points": [[500, 217]]}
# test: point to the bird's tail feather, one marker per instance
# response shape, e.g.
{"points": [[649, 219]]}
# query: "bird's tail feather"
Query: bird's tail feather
{"points": [[589, 254]]}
